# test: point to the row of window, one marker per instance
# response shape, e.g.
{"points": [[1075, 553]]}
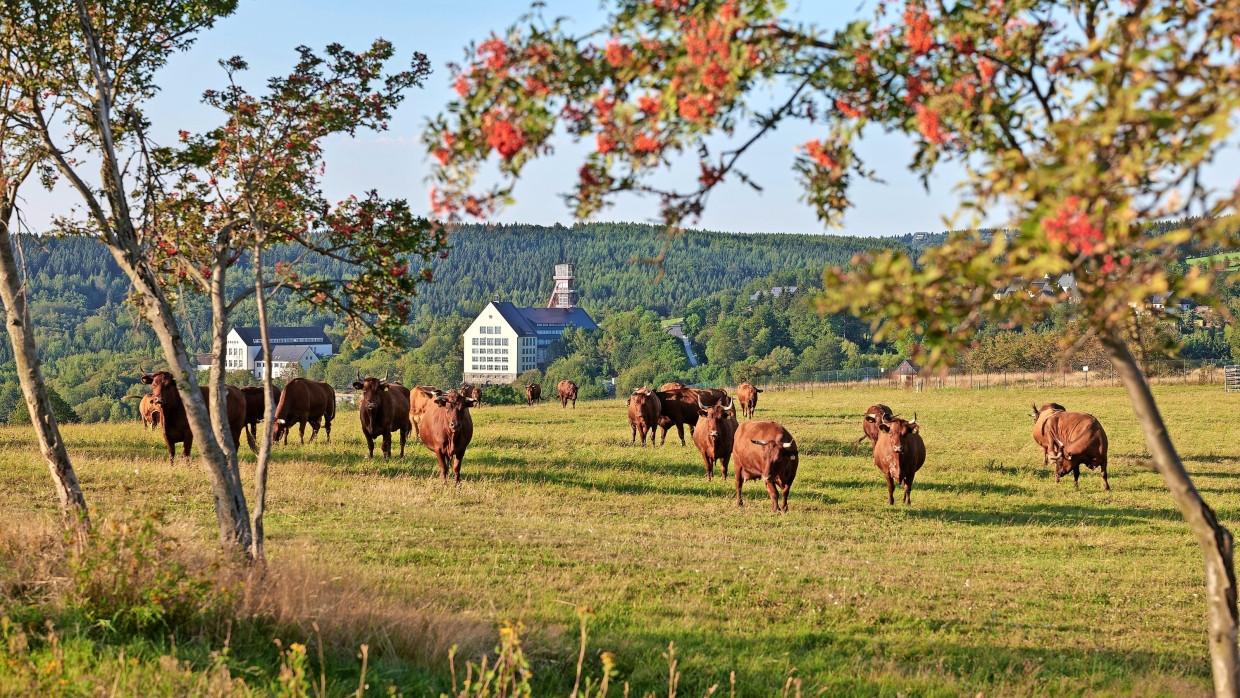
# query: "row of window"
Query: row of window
{"points": [[489, 367], [489, 329], [490, 341], [503, 352]]}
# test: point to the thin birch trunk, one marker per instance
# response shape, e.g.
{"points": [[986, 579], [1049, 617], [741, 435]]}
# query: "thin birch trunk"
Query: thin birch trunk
{"points": [[269, 413], [30, 376], [1214, 539]]}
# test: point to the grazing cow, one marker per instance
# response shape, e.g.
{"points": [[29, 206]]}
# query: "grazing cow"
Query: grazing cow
{"points": [[255, 406], [713, 437], [1040, 415], [876, 415], [1076, 438], [533, 393], [471, 391], [383, 409], [147, 410], [766, 451], [446, 430], [899, 453], [419, 399], [644, 408], [747, 394], [304, 402], [567, 390], [176, 423], [680, 408]]}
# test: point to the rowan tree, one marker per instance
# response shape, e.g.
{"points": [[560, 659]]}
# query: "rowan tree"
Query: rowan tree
{"points": [[254, 183], [1077, 124]]}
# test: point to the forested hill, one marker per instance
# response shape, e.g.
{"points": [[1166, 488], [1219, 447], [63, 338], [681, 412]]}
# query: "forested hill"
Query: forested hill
{"points": [[514, 263], [77, 292]]}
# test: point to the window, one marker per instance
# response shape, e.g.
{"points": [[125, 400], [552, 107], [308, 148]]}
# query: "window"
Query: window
{"points": [[504, 341], [475, 341]]}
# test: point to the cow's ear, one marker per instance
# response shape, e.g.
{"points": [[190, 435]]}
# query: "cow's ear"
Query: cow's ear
{"points": [[470, 401], [757, 390], [357, 384], [441, 400], [385, 387], [884, 426], [148, 378], [916, 427], [870, 418], [757, 442], [701, 412]]}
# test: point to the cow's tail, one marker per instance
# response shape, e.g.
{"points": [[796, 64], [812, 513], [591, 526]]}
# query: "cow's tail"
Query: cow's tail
{"points": [[249, 437]]}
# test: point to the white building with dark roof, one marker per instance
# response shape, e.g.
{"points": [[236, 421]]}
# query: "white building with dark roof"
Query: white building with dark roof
{"points": [[304, 345], [505, 341]]}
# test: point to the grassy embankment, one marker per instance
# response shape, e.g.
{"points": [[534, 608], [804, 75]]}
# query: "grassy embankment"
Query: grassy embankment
{"points": [[995, 579]]}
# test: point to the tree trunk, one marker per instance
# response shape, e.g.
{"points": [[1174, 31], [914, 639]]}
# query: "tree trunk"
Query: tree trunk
{"points": [[1215, 540], [30, 376], [269, 413], [217, 395]]}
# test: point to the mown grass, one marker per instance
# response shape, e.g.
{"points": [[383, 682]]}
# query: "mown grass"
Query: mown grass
{"points": [[995, 580]]}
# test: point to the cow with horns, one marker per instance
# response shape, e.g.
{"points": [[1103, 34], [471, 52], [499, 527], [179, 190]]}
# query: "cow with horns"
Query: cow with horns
{"points": [[303, 402], [165, 396], [899, 453], [446, 430], [383, 409], [713, 435]]}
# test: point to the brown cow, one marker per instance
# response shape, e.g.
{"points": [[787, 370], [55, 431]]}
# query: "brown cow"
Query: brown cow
{"points": [[383, 409], [1076, 438], [766, 451], [679, 408], [876, 415], [1040, 415], [747, 394], [446, 430], [672, 385], [713, 437], [899, 453], [147, 410], [255, 406], [567, 390], [419, 399], [644, 408], [164, 394], [471, 391], [533, 393], [304, 402]]}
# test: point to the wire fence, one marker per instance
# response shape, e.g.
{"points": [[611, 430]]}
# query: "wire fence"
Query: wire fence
{"points": [[1156, 372]]}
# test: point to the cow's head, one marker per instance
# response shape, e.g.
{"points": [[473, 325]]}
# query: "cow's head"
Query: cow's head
{"points": [[163, 387], [711, 417], [774, 449], [1053, 406], [899, 429], [456, 407], [1058, 459], [729, 408], [372, 390], [878, 413]]}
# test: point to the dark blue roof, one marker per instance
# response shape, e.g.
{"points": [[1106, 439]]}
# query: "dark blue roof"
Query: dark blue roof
{"points": [[304, 335], [525, 321]]}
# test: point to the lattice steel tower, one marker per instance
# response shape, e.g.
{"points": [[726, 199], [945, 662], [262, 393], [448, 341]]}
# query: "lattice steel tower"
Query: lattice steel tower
{"points": [[563, 295]]}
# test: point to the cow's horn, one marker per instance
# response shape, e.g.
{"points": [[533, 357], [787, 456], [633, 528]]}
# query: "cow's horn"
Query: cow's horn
{"points": [[729, 405], [387, 375], [787, 445], [359, 374], [700, 405], [914, 421]]}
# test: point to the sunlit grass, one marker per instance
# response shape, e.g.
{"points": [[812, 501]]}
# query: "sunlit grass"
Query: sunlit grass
{"points": [[995, 579]]}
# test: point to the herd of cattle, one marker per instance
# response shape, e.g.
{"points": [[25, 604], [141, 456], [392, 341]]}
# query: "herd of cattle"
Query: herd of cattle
{"points": [[756, 449]]}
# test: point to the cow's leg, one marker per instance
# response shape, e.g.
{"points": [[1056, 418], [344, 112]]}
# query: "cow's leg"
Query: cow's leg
{"points": [[724, 462], [710, 467], [404, 435], [314, 428], [891, 489], [1076, 475], [301, 431], [770, 490], [443, 467], [633, 426], [786, 488], [456, 468], [1105, 484], [739, 480], [680, 430], [387, 444], [370, 444], [664, 441], [327, 429], [908, 490], [172, 449]]}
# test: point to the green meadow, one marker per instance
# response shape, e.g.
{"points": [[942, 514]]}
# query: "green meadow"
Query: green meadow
{"points": [[996, 580]]}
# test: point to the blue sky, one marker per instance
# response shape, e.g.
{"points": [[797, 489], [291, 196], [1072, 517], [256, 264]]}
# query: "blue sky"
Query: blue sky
{"points": [[266, 33]]}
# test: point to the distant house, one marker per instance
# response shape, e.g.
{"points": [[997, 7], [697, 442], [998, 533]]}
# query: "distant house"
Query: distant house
{"points": [[776, 292], [505, 341], [305, 345], [905, 373], [204, 361]]}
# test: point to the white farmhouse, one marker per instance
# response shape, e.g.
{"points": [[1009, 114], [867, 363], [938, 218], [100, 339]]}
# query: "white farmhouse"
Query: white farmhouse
{"points": [[505, 341], [303, 345]]}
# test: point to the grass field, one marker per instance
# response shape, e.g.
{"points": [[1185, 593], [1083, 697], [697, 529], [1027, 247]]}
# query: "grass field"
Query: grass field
{"points": [[995, 580]]}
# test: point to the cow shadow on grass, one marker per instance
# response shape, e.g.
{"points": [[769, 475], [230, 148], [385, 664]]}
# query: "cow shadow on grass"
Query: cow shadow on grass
{"points": [[962, 487], [858, 663], [1048, 514]]}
